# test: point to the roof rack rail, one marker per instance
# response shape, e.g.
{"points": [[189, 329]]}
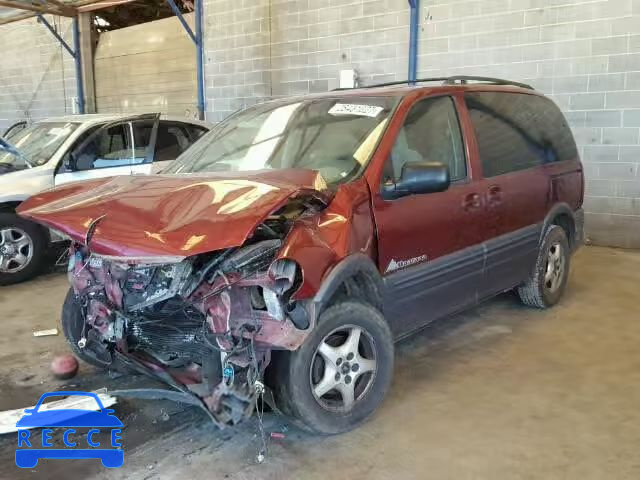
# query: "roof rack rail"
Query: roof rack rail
{"points": [[452, 80], [398, 82], [463, 79]]}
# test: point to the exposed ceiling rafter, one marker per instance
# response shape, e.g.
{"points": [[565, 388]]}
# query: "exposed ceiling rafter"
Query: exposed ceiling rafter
{"points": [[53, 7]]}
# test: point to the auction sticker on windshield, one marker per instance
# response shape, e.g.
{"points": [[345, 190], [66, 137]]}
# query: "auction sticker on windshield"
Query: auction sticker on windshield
{"points": [[355, 109]]}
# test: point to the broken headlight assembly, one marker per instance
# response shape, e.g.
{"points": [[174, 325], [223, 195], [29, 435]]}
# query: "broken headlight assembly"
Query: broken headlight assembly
{"points": [[146, 285]]}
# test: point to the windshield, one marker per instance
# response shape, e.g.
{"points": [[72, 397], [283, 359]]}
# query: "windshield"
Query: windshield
{"points": [[37, 143], [335, 136]]}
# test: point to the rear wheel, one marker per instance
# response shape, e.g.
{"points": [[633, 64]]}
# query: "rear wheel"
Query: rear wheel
{"points": [[548, 280], [23, 248], [342, 372]]}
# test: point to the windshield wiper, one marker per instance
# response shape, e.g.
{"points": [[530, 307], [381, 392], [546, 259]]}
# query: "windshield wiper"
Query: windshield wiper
{"points": [[7, 147]]}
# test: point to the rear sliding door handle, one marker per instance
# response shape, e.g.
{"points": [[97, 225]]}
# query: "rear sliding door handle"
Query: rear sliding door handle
{"points": [[494, 195], [471, 201]]}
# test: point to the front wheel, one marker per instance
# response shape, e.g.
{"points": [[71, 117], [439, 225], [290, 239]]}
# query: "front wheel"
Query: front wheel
{"points": [[23, 248], [74, 328], [548, 280], [342, 372]]}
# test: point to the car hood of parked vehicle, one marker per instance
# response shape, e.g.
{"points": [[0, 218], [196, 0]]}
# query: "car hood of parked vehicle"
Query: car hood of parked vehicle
{"points": [[9, 167], [18, 185], [169, 215]]}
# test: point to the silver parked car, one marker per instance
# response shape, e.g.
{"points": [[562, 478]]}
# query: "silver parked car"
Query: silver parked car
{"points": [[69, 149]]}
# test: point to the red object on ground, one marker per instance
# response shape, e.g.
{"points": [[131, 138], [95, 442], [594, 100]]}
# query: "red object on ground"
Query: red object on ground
{"points": [[277, 435], [64, 366]]}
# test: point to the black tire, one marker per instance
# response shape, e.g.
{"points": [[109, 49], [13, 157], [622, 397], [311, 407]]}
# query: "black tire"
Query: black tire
{"points": [[294, 370], [72, 322], [40, 241], [537, 291]]}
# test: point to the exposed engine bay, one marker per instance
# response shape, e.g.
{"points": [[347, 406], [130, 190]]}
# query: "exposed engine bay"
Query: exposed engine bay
{"points": [[205, 325]]}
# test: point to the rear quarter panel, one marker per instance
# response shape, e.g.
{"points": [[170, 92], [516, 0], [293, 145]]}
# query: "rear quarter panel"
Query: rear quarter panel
{"points": [[567, 183]]}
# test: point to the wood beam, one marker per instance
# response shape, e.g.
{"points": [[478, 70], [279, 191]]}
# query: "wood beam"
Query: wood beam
{"points": [[92, 5], [30, 7], [16, 18], [63, 7]]}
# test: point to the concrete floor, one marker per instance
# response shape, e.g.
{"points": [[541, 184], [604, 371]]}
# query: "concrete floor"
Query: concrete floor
{"points": [[501, 392]]}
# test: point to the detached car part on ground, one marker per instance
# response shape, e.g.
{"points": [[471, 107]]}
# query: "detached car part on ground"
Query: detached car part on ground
{"points": [[78, 147], [286, 251]]}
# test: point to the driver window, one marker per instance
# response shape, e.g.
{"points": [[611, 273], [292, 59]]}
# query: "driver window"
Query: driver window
{"points": [[431, 133], [110, 147]]}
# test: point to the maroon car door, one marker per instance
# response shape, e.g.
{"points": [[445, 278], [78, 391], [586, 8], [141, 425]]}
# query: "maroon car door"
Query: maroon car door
{"points": [[429, 245], [515, 186]]}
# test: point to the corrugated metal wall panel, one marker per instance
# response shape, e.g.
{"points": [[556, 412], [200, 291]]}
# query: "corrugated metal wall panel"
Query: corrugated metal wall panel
{"points": [[147, 67]]}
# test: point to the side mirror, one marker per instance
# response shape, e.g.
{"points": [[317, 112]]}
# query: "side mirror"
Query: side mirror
{"points": [[420, 177]]}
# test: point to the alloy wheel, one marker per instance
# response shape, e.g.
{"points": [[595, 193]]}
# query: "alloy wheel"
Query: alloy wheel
{"points": [[554, 271], [16, 250], [343, 368]]}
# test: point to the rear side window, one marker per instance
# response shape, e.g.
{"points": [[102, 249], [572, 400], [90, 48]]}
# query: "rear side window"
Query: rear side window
{"points": [[174, 138], [171, 141], [518, 131], [196, 131]]}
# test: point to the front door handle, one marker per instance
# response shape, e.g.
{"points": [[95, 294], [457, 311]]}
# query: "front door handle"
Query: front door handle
{"points": [[495, 195], [471, 201]]}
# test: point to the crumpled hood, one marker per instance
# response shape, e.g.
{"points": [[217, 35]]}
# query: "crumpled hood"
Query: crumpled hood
{"points": [[168, 215]]}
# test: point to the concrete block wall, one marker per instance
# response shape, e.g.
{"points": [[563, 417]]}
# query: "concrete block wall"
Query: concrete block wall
{"points": [[584, 53], [37, 78], [269, 48]]}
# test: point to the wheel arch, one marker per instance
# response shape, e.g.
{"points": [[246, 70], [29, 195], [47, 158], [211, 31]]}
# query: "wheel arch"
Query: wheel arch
{"points": [[357, 267], [562, 215], [9, 206]]}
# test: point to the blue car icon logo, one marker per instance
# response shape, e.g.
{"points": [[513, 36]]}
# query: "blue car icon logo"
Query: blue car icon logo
{"points": [[42, 417]]}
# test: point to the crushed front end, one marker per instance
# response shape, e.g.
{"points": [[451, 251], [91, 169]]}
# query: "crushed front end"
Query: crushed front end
{"points": [[205, 325]]}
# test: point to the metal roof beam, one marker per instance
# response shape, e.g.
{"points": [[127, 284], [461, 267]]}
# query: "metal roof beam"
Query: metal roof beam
{"points": [[178, 14], [197, 40], [74, 52], [53, 31]]}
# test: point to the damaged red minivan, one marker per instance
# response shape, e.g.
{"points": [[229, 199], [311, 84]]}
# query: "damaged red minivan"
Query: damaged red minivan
{"points": [[285, 252]]}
